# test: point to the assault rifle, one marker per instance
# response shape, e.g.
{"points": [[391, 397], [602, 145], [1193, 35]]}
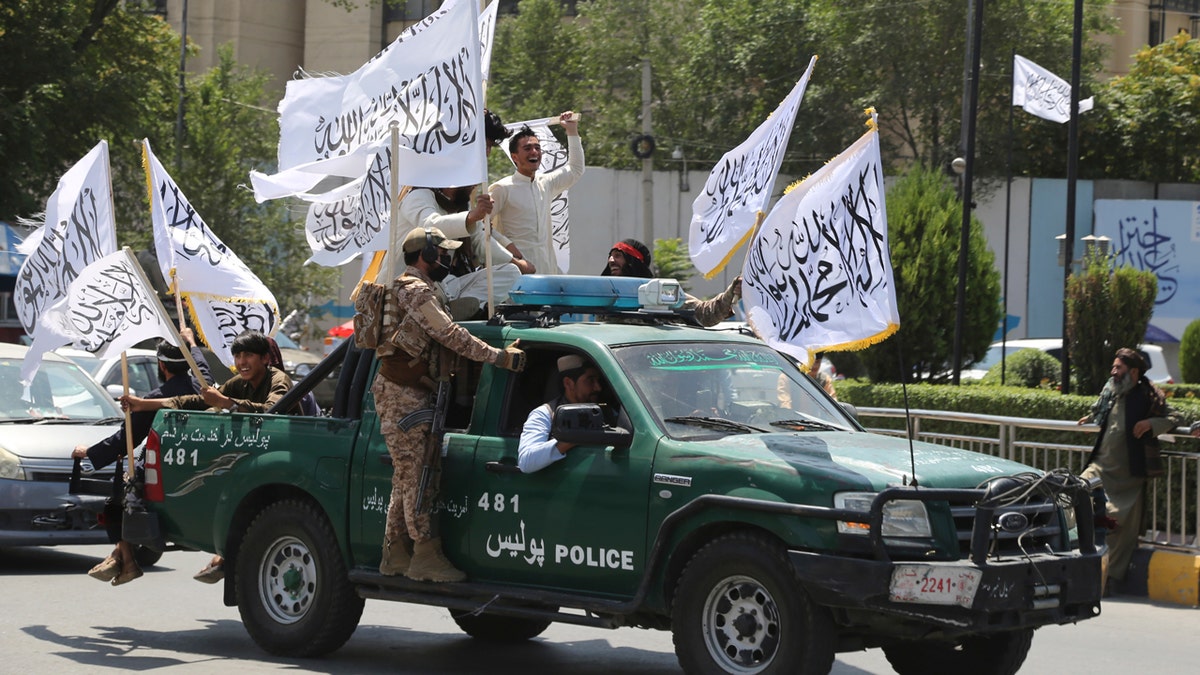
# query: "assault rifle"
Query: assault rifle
{"points": [[441, 402]]}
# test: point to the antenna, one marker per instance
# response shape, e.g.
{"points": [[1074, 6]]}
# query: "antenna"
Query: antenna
{"points": [[908, 426]]}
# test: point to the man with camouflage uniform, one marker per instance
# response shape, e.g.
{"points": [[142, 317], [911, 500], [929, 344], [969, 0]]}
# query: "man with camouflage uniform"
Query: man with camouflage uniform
{"points": [[419, 335]]}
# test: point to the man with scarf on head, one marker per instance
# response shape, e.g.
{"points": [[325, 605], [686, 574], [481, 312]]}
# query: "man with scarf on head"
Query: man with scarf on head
{"points": [[419, 337], [120, 566], [449, 209], [631, 258], [1131, 413]]}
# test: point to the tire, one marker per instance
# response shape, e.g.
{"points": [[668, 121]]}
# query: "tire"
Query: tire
{"points": [[739, 608], [496, 628], [292, 587], [999, 654], [146, 557]]}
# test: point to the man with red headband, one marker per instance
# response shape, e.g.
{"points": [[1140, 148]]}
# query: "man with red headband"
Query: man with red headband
{"points": [[631, 258]]}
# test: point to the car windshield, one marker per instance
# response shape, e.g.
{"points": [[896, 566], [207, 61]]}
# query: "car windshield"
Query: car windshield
{"points": [[285, 342], [703, 390], [59, 391]]}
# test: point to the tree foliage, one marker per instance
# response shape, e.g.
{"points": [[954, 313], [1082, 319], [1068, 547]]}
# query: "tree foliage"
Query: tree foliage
{"points": [[1189, 353], [671, 261], [1108, 308], [229, 132], [1147, 123], [1028, 368], [924, 229], [75, 72]]}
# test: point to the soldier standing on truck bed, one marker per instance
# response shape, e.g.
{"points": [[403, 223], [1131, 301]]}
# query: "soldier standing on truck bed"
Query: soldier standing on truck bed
{"points": [[419, 334]]}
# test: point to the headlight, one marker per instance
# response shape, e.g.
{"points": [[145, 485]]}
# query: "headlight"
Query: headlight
{"points": [[303, 370], [901, 517], [10, 466]]}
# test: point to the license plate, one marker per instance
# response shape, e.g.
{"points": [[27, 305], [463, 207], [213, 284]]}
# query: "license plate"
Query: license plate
{"points": [[934, 585]]}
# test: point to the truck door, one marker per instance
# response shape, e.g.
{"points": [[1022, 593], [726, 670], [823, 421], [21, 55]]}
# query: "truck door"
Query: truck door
{"points": [[579, 523]]}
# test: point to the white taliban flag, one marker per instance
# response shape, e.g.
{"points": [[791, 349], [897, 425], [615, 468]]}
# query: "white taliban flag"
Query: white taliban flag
{"points": [[1042, 93], [487, 33], [106, 309], [79, 229], [428, 81], [554, 156], [352, 219], [223, 296], [818, 274], [737, 189]]}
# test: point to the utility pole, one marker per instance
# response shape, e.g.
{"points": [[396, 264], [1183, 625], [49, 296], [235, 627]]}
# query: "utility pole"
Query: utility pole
{"points": [[182, 90], [647, 163], [1072, 175], [971, 96]]}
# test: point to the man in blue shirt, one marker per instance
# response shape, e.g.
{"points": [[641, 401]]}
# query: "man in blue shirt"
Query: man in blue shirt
{"points": [[581, 383]]}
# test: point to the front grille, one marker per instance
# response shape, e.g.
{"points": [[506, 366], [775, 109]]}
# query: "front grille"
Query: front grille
{"points": [[1040, 532]]}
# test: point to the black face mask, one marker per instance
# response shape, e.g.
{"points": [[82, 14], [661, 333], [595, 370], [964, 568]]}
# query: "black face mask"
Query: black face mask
{"points": [[441, 269], [461, 200]]}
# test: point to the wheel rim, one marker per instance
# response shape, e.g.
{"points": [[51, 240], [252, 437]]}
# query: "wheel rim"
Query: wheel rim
{"points": [[287, 580], [741, 625]]}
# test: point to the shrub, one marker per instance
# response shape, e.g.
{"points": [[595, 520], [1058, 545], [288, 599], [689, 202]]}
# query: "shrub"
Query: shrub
{"points": [[1027, 368], [1189, 353]]}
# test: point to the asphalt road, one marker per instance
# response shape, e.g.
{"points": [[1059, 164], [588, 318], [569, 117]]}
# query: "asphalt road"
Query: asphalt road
{"points": [[56, 619]]}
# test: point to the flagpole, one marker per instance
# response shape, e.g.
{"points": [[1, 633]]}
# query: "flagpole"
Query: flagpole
{"points": [[389, 259], [1007, 219], [128, 413], [162, 312]]}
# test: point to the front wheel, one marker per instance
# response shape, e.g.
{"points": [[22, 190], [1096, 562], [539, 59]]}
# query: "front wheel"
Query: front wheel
{"points": [[292, 587], [999, 654], [739, 608]]}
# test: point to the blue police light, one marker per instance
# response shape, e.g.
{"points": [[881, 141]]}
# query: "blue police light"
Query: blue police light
{"points": [[597, 293]]}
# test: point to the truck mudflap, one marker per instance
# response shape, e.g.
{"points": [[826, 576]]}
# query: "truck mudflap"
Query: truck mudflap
{"points": [[959, 597]]}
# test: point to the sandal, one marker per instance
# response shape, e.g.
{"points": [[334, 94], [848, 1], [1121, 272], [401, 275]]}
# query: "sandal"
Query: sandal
{"points": [[128, 575], [211, 574], [106, 570]]}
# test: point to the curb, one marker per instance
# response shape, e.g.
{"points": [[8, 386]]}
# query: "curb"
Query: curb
{"points": [[1163, 575]]}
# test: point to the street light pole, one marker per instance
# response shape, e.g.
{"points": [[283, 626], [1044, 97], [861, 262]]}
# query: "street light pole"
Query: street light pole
{"points": [[1072, 177], [972, 93]]}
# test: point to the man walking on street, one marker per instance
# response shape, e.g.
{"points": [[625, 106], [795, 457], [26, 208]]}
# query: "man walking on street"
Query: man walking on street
{"points": [[521, 212], [418, 336], [1131, 413]]}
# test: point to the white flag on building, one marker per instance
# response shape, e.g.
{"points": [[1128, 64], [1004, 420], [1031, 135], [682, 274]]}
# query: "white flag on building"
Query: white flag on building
{"points": [[740, 185], [352, 219], [106, 309], [79, 229], [1042, 93], [428, 81], [818, 274], [223, 296], [554, 156]]}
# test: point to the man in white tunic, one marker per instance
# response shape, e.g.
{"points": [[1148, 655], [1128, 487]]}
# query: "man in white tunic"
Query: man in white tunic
{"points": [[521, 202]]}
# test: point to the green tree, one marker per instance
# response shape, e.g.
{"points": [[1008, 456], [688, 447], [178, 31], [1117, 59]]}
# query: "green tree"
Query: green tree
{"points": [[75, 72], [229, 132], [1189, 353], [672, 261], [1146, 125], [907, 60], [1108, 307], [924, 228]]}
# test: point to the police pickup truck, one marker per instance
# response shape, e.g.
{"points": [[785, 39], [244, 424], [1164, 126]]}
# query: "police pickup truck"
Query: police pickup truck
{"points": [[716, 492]]}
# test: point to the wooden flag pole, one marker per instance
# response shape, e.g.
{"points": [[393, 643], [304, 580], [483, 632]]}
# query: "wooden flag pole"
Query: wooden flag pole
{"points": [[175, 336], [128, 417]]}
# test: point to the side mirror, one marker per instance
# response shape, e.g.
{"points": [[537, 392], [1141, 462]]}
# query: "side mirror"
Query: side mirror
{"points": [[583, 424], [115, 390]]}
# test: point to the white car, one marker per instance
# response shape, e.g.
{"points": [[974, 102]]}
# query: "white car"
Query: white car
{"points": [[143, 369], [67, 408], [1157, 372]]}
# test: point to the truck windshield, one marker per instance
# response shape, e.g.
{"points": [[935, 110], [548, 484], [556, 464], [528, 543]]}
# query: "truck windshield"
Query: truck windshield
{"points": [[750, 385]]}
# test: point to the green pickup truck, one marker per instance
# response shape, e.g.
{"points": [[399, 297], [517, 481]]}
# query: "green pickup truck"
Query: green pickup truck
{"points": [[716, 493]]}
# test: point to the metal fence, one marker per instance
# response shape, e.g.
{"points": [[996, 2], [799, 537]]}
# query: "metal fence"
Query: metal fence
{"points": [[1174, 499]]}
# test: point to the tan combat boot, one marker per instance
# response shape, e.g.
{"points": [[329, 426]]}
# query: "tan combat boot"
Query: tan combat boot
{"points": [[428, 564], [396, 557]]}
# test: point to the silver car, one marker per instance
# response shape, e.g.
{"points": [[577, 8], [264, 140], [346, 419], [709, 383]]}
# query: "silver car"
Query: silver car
{"points": [[67, 408]]}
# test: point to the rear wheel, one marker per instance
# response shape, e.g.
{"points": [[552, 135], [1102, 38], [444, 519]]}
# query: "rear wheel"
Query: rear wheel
{"points": [[999, 654], [292, 587], [739, 608], [495, 628]]}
